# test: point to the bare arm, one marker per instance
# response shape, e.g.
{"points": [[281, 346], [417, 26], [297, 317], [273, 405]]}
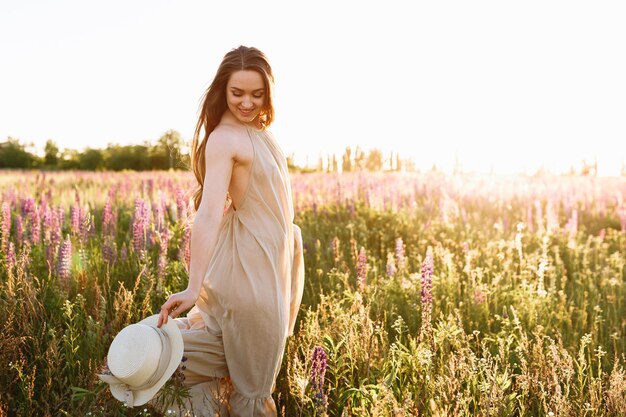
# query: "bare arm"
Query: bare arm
{"points": [[219, 157]]}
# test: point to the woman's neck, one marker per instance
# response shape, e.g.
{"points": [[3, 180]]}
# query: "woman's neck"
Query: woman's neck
{"points": [[229, 118]]}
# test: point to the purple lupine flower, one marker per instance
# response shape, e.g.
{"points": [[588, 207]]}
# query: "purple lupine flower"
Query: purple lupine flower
{"points": [[159, 217], [75, 219], [85, 228], [109, 250], [361, 269], [140, 226], [65, 258], [181, 205], [11, 260], [35, 228], [400, 261], [28, 206], [107, 218], [56, 224], [427, 296], [5, 225], [47, 222], [318, 372], [60, 217], [124, 252]]}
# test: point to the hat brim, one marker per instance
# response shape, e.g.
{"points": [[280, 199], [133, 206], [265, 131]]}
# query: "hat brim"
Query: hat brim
{"points": [[176, 349]]}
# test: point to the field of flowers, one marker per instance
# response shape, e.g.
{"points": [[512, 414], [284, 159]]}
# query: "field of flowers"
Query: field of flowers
{"points": [[426, 294]]}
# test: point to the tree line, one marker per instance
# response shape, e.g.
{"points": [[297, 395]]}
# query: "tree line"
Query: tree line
{"points": [[167, 153], [163, 155], [357, 160]]}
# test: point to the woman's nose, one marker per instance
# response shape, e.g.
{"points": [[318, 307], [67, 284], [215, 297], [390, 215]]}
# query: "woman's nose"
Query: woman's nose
{"points": [[247, 103]]}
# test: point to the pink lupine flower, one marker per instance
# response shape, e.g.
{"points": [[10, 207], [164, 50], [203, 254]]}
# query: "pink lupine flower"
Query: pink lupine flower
{"points": [[28, 206], [5, 225], [140, 226], [65, 259], [60, 217], [85, 229], [163, 246], [161, 266], [361, 269], [75, 219], [35, 228], [107, 217], [181, 205], [11, 260], [184, 254]]}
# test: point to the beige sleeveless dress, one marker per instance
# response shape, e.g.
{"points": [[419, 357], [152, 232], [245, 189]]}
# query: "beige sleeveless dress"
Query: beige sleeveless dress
{"points": [[250, 297]]}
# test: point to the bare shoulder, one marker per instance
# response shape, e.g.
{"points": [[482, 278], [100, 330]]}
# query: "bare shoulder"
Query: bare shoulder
{"points": [[232, 141], [222, 141]]}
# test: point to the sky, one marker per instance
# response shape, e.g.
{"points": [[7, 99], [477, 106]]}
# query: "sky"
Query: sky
{"points": [[492, 86]]}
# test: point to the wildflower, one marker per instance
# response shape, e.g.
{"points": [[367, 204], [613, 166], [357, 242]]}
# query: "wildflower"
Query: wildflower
{"points": [[391, 267], [5, 225], [181, 205], [361, 269], [184, 254], [400, 253], [75, 219], [335, 248], [11, 260], [318, 371], [107, 218], [109, 252], [427, 296], [65, 257], [479, 296], [35, 228], [85, 223], [123, 252], [28, 206], [140, 225]]}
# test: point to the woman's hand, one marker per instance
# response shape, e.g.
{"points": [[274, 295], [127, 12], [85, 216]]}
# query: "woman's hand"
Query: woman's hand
{"points": [[177, 304]]}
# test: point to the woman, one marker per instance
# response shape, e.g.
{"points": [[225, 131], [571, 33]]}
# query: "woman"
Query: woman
{"points": [[246, 270]]}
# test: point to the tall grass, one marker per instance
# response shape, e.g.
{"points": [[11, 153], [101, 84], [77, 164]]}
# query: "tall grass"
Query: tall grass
{"points": [[426, 294]]}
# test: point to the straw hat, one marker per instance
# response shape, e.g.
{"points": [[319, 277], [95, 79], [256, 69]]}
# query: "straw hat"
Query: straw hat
{"points": [[141, 359]]}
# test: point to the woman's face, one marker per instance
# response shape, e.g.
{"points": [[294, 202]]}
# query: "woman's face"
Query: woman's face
{"points": [[245, 95]]}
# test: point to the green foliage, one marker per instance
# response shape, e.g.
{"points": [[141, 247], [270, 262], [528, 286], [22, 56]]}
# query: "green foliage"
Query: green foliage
{"points": [[525, 320], [14, 155]]}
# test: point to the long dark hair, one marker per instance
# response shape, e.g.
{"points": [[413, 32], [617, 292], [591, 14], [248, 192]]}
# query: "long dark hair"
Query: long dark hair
{"points": [[214, 105]]}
